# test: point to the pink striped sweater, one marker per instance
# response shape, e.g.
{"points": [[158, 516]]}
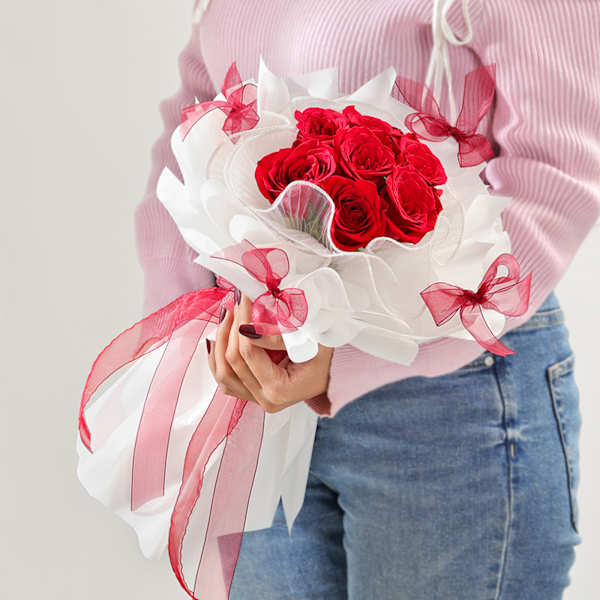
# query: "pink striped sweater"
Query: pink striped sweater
{"points": [[544, 125]]}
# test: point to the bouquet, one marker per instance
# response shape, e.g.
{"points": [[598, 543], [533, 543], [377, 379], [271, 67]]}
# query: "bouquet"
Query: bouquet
{"points": [[347, 219]]}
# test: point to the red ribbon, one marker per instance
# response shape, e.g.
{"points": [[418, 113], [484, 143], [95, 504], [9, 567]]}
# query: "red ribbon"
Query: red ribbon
{"points": [[147, 334], [227, 419], [181, 324], [239, 106], [507, 294], [276, 311], [429, 123]]}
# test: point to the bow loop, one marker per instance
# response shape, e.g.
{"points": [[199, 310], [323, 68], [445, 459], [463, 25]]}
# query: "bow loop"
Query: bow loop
{"points": [[428, 127], [506, 294], [478, 95], [429, 123], [232, 80], [268, 265]]}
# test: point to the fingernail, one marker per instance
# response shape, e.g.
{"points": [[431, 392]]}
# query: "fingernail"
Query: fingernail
{"points": [[237, 296], [223, 313], [249, 331], [208, 345]]}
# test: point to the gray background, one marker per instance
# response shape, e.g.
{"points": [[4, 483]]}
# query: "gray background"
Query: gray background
{"points": [[81, 82]]}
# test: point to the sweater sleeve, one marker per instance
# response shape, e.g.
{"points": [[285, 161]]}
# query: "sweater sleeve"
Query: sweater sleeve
{"points": [[167, 261], [546, 128]]}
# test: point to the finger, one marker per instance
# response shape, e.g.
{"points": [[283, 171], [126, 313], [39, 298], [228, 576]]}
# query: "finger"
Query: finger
{"points": [[270, 377], [222, 368], [225, 376], [210, 345], [233, 356], [232, 387], [270, 342], [300, 381]]}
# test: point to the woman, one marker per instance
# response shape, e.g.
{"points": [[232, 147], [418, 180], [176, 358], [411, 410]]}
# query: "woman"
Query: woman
{"points": [[455, 477]]}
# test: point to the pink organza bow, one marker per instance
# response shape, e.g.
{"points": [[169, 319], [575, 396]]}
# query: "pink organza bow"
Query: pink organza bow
{"points": [[239, 106], [276, 311], [506, 294], [429, 123]]}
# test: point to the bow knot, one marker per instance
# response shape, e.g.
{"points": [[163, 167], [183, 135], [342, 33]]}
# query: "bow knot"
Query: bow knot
{"points": [[429, 123], [476, 297], [506, 294], [457, 134], [276, 310], [239, 105]]}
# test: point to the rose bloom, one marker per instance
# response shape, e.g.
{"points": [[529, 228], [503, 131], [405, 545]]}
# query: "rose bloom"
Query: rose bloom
{"points": [[311, 160], [318, 123], [362, 155], [419, 156], [388, 135], [359, 215], [412, 204]]}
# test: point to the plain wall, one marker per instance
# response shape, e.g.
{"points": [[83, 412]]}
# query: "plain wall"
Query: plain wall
{"points": [[80, 90]]}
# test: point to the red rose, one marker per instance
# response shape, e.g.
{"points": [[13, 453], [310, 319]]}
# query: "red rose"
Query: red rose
{"points": [[412, 205], [319, 123], [309, 161], [359, 216], [419, 156], [362, 155], [388, 135]]}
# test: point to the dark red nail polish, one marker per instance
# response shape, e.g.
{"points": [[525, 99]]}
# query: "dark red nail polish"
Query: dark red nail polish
{"points": [[249, 331], [208, 345], [223, 313], [237, 296]]}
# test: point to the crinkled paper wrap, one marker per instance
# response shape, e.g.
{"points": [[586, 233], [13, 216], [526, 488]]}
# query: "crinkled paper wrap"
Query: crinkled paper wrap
{"points": [[368, 298]]}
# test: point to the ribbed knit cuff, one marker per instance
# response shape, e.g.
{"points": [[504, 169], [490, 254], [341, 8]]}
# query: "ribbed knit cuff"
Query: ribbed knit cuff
{"points": [[344, 358], [167, 278]]}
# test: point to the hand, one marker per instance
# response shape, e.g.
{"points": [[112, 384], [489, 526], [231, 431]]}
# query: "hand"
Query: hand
{"points": [[242, 367]]}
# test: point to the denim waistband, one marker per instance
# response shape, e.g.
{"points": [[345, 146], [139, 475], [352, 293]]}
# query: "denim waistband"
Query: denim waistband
{"points": [[549, 313]]}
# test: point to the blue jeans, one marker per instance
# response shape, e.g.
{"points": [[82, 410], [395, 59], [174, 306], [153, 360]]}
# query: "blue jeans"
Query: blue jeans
{"points": [[457, 487]]}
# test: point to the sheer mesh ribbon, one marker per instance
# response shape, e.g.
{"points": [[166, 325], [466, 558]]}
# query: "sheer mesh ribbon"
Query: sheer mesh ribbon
{"points": [[202, 305], [429, 123], [276, 311], [506, 294], [239, 105], [230, 421]]}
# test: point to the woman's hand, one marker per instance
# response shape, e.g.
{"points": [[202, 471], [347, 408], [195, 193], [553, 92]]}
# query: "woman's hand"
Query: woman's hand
{"points": [[242, 367]]}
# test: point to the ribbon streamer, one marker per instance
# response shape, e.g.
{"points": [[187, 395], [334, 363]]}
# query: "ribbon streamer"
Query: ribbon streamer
{"points": [[429, 123], [235, 423], [506, 294], [146, 335], [239, 105]]}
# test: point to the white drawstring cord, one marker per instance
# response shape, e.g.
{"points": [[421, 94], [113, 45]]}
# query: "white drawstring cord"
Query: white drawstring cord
{"points": [[199, 9], [439, 62]]}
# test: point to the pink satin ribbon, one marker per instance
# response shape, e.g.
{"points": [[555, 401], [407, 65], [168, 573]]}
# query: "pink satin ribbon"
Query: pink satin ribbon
{"points": [[239, 105], [506, 294], [429, 123]]}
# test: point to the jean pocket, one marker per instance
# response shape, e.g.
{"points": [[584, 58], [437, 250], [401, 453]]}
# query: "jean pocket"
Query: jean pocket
{"points": [[565, 401]]}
